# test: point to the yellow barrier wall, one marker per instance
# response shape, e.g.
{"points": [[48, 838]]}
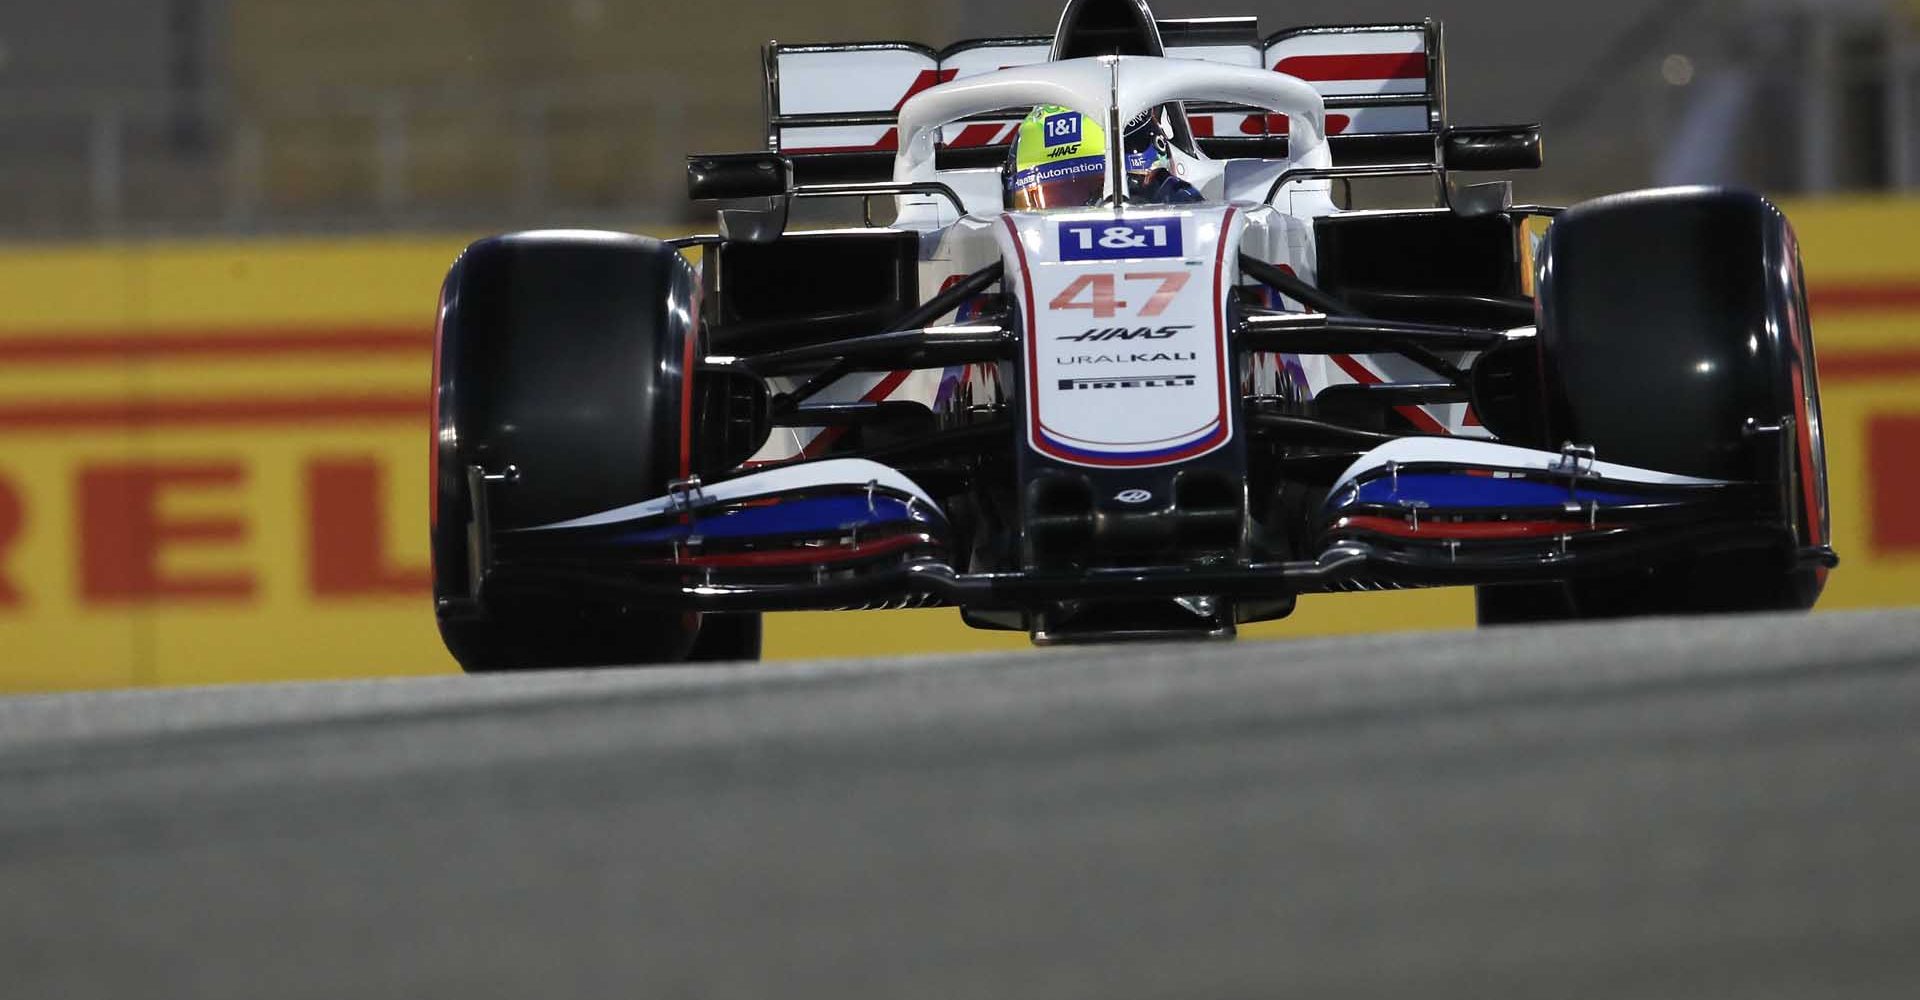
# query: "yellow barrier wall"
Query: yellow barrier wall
{"points": [[212, 460]]}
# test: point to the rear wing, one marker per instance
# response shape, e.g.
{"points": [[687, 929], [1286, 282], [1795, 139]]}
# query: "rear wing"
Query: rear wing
{"points": [[842, 99], [832, 110]]}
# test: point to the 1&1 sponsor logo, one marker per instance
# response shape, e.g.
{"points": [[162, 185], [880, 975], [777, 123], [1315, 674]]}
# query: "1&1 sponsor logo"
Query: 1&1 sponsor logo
{"points": [[1105, 240], [1062, 129]]}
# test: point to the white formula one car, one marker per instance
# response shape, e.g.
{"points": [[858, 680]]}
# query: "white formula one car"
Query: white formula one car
{"points": [[1124, 365]]}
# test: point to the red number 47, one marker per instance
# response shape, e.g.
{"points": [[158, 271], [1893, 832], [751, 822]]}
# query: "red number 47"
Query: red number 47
{"points": [[1099, 293]]}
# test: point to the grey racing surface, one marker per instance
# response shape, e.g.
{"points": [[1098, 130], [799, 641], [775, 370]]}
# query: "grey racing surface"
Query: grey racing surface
{"points": [[1671, 808]]}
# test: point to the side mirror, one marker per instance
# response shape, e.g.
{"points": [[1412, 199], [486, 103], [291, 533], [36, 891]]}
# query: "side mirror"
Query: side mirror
{"points": [[1492, 147], [725, 176], [761, 181]]}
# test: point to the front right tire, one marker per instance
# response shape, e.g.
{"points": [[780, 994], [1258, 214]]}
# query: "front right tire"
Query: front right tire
{"points": [[1674, 335]]}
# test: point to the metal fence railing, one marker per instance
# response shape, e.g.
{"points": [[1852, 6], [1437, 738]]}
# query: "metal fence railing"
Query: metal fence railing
{"points": [[112, 164], [128, 164]]}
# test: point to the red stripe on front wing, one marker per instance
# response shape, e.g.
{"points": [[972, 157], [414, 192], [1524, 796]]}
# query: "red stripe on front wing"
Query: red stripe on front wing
{"points": [[1465, 530], [808, 555]]}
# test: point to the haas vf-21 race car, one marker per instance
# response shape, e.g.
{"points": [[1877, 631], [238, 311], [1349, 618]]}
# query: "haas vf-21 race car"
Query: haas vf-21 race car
{"points": [[1125, 363]]}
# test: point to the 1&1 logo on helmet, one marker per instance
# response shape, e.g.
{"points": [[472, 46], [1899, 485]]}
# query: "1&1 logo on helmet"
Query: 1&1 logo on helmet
{"points": [[1062, 129]]}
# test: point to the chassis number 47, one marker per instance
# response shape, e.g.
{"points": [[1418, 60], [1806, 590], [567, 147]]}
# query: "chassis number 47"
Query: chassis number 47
{"points": [[1096, 292]]}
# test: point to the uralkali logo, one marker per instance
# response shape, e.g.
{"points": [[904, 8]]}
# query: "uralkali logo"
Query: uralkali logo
{"points": [[1138, 358], [1135, 497]]}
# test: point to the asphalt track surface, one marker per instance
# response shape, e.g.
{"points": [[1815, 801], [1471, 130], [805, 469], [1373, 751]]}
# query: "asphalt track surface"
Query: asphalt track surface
{"points": [[1711, 808]]}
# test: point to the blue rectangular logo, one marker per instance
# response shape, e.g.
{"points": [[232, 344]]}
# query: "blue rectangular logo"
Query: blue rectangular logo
{"points": [[1107, 239], [1062, 129]]}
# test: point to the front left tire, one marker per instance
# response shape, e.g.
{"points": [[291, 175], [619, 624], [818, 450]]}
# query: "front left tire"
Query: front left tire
{"points": [[563, 367]]}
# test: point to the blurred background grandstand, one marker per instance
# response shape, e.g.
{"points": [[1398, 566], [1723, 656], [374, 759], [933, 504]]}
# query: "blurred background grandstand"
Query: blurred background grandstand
{"points": [[247, 116], [222, 223]]}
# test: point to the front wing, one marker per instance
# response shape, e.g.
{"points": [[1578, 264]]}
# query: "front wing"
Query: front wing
{"points": [[852, 533]]}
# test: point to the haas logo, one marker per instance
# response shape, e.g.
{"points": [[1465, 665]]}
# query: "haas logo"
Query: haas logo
{"points": [[1126, 333]]}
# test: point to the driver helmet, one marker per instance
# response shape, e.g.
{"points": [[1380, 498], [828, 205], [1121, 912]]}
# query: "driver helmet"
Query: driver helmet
{"points": [[1059, 159]]}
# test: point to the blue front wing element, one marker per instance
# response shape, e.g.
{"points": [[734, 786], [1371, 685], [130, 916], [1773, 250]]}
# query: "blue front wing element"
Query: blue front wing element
{"points": [[807, 516], [1463, 491]]}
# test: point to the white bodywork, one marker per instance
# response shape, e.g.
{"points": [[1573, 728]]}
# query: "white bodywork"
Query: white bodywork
{"points": [[1128, 365], [1488, 455], [1188, 409], [768, 483], [1115, 88], [1118, 88]]}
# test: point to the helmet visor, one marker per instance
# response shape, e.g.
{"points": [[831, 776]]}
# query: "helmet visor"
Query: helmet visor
{"points": [[1146, 148], [1075, 183]]}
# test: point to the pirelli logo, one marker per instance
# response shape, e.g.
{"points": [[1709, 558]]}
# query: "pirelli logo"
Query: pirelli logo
{"points": [[1129, 382]]}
